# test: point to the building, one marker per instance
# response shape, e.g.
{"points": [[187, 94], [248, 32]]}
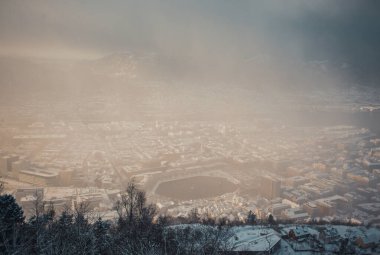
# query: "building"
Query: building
{"points": [[2, 165], [270, 187], [367, 241], [299, 233], [6, 164], [29, 192], [371, 164], [18, 166], [329, 205], [277, 209], [370, 208], [65, 177], [296, 181], [295, 214], [39, 178], [311, 208], [59, 204], [329, 235], [29, 204], [254, 241]]}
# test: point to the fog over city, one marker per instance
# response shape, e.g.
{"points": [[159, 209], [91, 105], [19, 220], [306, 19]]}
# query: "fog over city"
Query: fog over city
{"points": [[235, 112]]}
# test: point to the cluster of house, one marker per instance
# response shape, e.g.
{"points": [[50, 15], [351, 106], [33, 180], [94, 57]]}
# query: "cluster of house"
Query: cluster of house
{"points": [[62, 199], [305, 239]]}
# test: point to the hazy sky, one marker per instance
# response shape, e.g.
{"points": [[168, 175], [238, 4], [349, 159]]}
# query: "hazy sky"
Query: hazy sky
{"points": [[88, 27], [212, 32]]}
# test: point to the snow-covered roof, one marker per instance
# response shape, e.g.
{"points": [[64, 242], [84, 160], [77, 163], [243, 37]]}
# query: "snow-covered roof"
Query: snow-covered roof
{"points": [[301, 230], [249, 238]]}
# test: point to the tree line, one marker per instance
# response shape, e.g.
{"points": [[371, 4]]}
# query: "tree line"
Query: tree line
{"points": [[137, 229]]}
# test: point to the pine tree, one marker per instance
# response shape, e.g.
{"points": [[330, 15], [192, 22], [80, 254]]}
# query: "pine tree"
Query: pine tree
{"points": [[103, 241], [271, 220], [251, 218], [11, 218]]}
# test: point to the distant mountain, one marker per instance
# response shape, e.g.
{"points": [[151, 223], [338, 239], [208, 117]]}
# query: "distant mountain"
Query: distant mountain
{"points": [[21, 75]]}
